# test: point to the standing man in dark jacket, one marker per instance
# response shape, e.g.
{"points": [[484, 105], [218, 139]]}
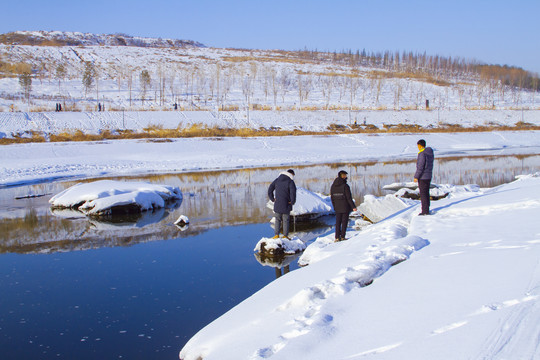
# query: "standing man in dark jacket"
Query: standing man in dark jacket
{"points": [[284, 199], [340, 194], [424, 172]]}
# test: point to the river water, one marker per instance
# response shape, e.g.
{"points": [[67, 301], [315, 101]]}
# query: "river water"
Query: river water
{"points": [[140, 287]]}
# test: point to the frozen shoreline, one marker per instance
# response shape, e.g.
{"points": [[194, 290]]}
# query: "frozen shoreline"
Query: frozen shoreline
{"points": [[38, 162]]}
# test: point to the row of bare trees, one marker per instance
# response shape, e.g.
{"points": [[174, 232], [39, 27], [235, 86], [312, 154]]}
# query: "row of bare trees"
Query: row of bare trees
{"points": [[448, 68], [211, 84]]}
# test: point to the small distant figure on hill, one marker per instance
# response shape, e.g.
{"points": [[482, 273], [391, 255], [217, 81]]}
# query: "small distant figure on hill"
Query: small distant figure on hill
{"points": [[99, 106], [424, 173], [282, 192], [340, 194]]}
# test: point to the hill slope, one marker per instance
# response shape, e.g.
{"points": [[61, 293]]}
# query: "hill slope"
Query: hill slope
{"points": [[123, 72]]}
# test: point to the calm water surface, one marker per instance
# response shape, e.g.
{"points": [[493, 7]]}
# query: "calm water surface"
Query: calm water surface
{"points": [[139, 288]]}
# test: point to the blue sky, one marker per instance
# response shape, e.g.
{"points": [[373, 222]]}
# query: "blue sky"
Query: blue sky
{"points": [[491, 31]]}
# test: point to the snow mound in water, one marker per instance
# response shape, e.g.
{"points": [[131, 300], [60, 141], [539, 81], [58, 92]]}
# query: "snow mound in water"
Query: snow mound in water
{"points": [[105, 197], [280, 245]]}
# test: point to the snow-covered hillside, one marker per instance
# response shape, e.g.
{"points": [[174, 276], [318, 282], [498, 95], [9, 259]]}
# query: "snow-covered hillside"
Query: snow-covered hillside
{"points": [[157, 74], [68, 38]]}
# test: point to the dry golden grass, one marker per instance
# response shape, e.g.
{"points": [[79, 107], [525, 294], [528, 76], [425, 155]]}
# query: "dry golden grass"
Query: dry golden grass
{"points": [[397, 128], [14, 69], [480, 107], [24, 138], [239, 59], [352, 74], [410, 107], [377, 74], [156, 133]]}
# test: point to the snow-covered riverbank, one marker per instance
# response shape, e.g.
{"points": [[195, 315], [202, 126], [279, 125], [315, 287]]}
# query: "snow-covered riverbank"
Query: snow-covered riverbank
{"points": [[27, 163], [12, 123], [466, 287]]}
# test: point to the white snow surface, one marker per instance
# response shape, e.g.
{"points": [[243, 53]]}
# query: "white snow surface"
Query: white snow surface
{"points": [[377, 209], [34, 162], [101, 196], [465, 285]]}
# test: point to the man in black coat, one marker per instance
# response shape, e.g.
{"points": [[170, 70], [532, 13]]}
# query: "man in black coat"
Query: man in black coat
{"points": [[282, 192], [424, 173], [340, 194]]}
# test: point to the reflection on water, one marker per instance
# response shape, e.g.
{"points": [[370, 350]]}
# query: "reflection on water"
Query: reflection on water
{"points": [[216, 199]]}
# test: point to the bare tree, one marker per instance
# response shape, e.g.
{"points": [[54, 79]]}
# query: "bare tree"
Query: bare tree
{"points": [[145, 81], [89, 76], [25, 81], [327, 84], [129, 78], [218, 85], [397, 93], [60, 75], [285, 83], [172, 86], [304, 87], [247, 89], [226, 84], [354, 84], [274, 84]]}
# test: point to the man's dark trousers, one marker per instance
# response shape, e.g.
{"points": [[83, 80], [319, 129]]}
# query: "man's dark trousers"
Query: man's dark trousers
{"points": [[423, 186], [342, 220]]}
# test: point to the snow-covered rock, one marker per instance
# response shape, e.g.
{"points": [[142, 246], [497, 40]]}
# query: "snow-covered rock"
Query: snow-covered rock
{"points": [[280, 246], [182, 222], [401, 185], [378, 208], [106, 197]]}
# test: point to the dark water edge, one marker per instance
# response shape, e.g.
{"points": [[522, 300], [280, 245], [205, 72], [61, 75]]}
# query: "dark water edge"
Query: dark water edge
{"points": [[79, 288]]}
